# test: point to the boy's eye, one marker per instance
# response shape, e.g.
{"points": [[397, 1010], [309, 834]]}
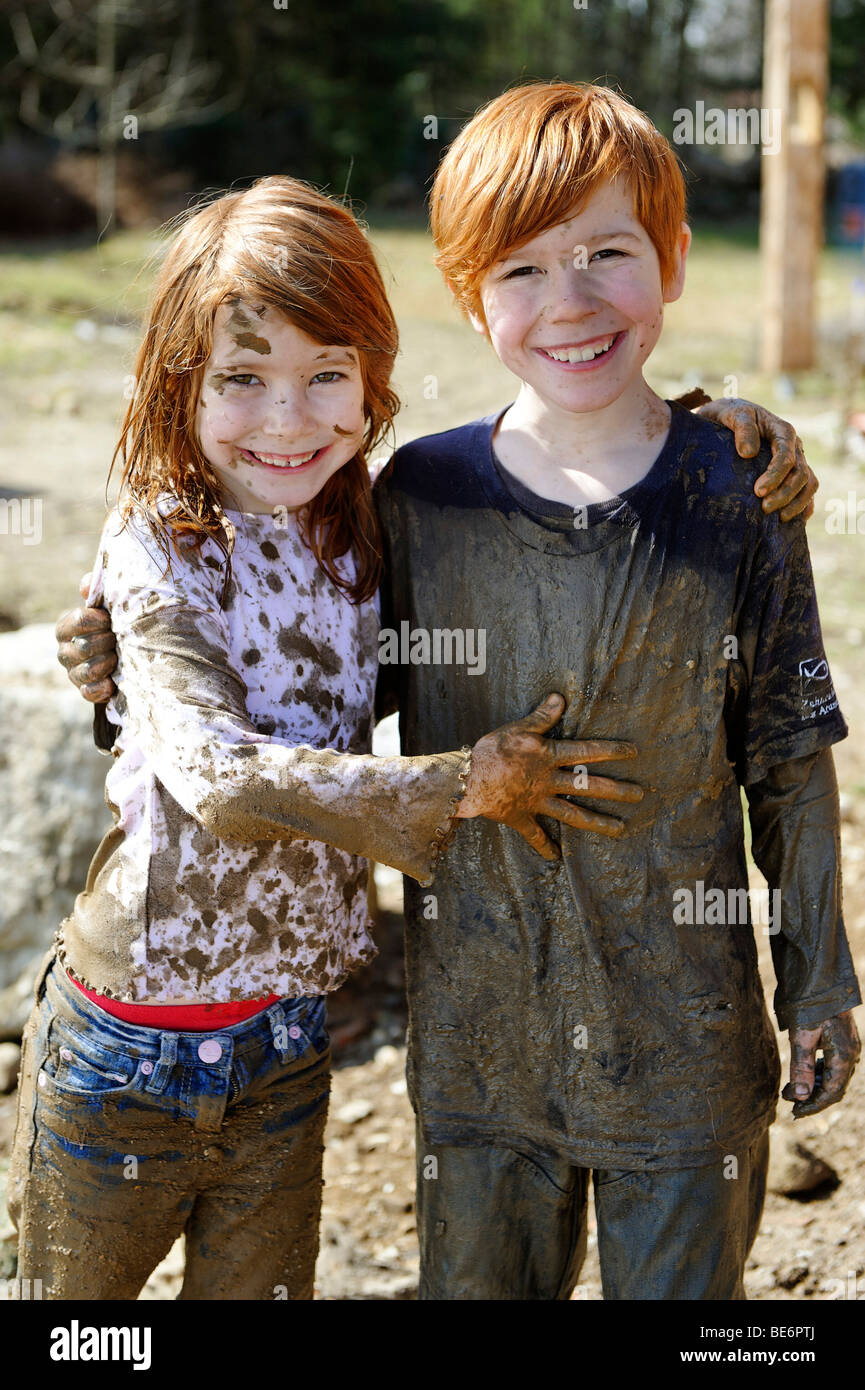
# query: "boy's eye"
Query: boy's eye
{"points": [[610, 251], [520, 272]]}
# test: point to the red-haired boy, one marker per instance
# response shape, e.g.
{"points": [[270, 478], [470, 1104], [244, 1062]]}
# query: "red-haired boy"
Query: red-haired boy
{"points": [[603, 1013]]}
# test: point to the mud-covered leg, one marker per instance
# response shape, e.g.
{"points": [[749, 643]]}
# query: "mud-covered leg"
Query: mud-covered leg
{"points": [[253, 1231], [98, 1194], [681, 1234], [496, 1224]]}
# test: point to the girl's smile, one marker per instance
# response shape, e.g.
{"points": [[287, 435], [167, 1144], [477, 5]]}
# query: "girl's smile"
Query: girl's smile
{"points": [[278, 463]]}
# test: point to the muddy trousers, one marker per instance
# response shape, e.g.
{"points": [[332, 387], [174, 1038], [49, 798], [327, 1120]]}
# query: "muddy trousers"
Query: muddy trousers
{"points": [[494, 1223], [128, 1137]]}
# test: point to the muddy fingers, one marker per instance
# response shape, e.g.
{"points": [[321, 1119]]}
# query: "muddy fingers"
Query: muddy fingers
{"points": [[516, 775]]}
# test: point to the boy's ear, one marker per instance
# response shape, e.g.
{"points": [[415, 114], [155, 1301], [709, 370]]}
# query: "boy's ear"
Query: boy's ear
{"points": [[676, 283], [478, 323]]}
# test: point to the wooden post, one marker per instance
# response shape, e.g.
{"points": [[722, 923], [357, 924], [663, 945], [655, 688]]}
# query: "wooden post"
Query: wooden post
{"points": [[795, 68]]}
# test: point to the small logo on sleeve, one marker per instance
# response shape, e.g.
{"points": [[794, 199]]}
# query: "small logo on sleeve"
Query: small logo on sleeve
{"points": [[816, 688]]}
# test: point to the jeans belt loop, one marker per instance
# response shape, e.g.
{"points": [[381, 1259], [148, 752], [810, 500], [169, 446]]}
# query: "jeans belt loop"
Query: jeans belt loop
{"points": [[279, 1032], [164, 1067]]}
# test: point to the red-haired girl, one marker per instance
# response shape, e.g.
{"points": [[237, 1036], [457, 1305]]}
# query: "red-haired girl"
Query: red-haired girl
{"points": [[176, 1066]]}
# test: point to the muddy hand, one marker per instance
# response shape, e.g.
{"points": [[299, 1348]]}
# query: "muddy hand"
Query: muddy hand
{"points": [[517, 774], [810, 1088], [788, 481], [87, 649]]}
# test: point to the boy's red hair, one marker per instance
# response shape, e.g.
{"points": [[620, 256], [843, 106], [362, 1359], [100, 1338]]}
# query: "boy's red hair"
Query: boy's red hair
{"points": [[528, 158], [282, 244]]}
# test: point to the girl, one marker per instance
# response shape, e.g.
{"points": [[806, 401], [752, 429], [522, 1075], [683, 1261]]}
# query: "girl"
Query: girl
{"points": [[176, 1066]]}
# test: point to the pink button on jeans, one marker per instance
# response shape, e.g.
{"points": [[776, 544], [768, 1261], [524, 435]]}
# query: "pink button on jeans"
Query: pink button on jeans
{"points": [[210, 1050], [294, 1031]]}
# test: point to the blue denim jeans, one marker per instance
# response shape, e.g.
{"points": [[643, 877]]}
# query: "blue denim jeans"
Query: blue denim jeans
{"points": [[127, 1137]]}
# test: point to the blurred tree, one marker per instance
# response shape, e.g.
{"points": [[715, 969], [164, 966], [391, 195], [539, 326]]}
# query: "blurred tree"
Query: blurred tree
{"points": [[338, 93], [91, 77]]}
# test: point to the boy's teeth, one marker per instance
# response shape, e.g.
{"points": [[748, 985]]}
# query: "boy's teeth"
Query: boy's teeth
{"points": [[575, 354]]}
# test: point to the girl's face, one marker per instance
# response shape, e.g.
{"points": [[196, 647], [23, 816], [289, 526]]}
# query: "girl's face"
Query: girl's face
{"points": [[278, 412]]}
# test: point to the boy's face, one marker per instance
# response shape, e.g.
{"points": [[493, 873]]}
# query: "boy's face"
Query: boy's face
{"points": [[590, 284], [278, 412]]}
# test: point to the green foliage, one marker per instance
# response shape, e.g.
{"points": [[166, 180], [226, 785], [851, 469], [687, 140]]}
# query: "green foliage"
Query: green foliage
{"points": [[336, 91]]}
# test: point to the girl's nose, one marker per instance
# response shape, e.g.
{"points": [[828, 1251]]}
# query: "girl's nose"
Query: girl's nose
{"points": [[287, 415]]}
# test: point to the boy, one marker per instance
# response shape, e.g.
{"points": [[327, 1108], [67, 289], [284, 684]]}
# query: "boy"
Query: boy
{"points": [[575, 1016], [562, 1019]]}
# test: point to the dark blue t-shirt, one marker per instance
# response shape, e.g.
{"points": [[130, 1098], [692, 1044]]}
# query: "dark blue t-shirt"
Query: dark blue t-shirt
{"points": [[567, 1006]]}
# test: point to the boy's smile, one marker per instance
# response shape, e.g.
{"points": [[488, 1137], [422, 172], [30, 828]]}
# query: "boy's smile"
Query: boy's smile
{"points": [[576, 311], [585, 356], [278, 412]]}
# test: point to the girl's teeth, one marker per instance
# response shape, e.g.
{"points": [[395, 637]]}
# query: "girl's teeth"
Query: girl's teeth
{"points": [[579, 354], [281, 461]]}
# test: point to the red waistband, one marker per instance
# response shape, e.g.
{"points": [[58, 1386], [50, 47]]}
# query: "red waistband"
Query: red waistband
{"points": [[180, 1018]]}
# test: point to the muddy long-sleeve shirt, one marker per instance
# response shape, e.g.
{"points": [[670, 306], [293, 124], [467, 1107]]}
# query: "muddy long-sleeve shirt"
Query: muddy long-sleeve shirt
{"points": [[609, 1007], [245, 800]]}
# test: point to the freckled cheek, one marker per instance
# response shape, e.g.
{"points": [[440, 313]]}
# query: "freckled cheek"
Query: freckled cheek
{"points": [[219, 425], [506, 320], [348, 423], [651, 321]]}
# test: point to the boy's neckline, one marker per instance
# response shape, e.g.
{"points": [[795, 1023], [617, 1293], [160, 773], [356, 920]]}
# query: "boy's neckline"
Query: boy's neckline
{"points": [[600, 522], [532, 465]]}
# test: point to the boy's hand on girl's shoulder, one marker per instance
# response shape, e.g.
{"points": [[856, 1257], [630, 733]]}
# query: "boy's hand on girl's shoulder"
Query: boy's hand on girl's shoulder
{"points": [[516, 775], [788, 482], [87, 649], [813, 1085]]}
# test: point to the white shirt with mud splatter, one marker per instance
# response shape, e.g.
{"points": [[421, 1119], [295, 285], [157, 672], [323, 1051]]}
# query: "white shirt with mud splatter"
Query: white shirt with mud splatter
{"points": [[231, 790]]}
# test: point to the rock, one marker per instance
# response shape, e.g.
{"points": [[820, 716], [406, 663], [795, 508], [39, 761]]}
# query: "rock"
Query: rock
{"points": [[52, 812], [16, 1001], [167, 1277], [353, 1110], [795, 1169], [387, 1257], [10, 1061], [788, 1276]]}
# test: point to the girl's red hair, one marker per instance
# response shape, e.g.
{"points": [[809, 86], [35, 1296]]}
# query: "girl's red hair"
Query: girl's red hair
{"points": [[282, 244], [528, 158]]}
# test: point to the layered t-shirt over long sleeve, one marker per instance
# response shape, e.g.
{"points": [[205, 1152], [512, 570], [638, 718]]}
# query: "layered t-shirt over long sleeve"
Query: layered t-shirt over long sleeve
{"points": [[237, 865], [608, 1007]]}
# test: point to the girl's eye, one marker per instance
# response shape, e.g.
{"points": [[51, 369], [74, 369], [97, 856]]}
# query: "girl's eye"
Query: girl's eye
{"points": [[331, 376], [243, 379]]}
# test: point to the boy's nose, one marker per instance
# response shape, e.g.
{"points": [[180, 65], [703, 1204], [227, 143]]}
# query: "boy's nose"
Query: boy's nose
{"points": [[572, 295]]}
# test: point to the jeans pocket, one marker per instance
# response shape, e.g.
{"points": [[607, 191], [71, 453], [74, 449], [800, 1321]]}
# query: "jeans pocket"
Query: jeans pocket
{"points": [[78, 1063], [615, 1181]]}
